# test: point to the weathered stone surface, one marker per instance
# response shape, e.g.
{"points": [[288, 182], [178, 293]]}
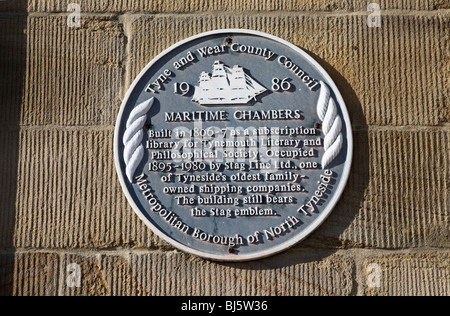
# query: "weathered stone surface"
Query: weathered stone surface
{"points": [[426, 274], [73, 75], [91, 276], [182, 6], [174, 274], [36, 274], [69, 195], [51, 274], [397, 194], [393, 75], [292, 273]]}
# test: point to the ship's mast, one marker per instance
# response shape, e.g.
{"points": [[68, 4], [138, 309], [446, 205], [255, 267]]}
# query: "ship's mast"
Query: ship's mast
{"points": [[220, 85]]}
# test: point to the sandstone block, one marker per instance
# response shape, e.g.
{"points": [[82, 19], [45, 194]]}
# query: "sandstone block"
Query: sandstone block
{"points": [[397, 194], [181, 6], [73, 74], [69, 195], [426, 274]]}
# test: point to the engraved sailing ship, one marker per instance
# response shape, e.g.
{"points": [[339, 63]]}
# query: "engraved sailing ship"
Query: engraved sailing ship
{"points": [[226, 86]]}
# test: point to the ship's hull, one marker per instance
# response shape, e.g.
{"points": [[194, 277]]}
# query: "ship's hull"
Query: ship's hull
{"points": [[223, 101]]}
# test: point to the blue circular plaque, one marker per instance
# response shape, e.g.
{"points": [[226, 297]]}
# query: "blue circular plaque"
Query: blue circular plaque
{"points": [[233, 145]]}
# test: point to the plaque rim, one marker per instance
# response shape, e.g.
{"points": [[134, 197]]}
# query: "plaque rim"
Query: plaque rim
{"points": [[291, 242]]}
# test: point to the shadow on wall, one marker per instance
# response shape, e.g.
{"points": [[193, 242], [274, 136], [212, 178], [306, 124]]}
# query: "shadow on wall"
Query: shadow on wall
{"points": [[343, 215], [326, 240], [13, 51]]}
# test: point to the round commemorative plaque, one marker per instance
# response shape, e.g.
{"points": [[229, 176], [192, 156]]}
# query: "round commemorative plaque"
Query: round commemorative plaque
{"points": [[233, 145]]}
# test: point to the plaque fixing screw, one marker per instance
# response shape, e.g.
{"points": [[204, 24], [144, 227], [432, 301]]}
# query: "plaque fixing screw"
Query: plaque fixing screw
{"points": [[318, 126], [229, 41], [148, 126], [231, 250]]}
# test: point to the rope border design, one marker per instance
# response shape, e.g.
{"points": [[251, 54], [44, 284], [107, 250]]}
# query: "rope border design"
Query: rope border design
{"points": [[132, 139], [332, 125]]}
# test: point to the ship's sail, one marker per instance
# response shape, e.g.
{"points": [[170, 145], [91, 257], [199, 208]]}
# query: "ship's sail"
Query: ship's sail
{"points": [[239, 85], [204, 87], [226, 86]]}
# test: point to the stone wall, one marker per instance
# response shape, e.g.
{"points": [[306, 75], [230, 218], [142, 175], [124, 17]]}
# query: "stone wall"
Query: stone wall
{"points": [[60, 201]]}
